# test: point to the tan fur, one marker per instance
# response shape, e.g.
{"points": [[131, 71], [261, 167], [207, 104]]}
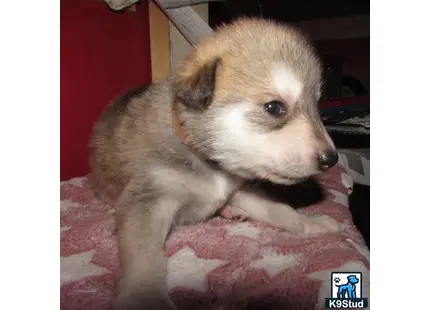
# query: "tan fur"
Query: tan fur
{"points": [[156, 181]]}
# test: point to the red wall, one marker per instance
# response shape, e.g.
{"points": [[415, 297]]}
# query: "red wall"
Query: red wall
{"points": [[102, 54]]}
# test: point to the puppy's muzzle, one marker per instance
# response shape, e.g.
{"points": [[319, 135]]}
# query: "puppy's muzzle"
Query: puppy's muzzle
{"points": [[327, 160]]}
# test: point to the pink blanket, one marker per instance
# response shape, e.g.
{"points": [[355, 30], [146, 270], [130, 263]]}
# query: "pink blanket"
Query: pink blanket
{"points": [[220, 264]]}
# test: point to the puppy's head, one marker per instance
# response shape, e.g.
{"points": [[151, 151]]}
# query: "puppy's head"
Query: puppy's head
{"points": [[247, 98]]}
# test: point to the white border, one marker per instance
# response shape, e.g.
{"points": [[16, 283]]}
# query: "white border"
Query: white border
{"points": [[29, 127], [30, 136], [400, 158]]}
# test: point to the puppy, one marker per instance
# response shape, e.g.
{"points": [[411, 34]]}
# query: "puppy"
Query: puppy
{"points": [[241, 106]]}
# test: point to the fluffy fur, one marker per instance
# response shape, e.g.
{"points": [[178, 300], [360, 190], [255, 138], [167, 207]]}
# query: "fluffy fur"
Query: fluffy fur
{"points": [[219, 92]]}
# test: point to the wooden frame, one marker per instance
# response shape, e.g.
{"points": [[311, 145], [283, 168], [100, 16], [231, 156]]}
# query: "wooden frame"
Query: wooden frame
{"points": [[160, 43]]}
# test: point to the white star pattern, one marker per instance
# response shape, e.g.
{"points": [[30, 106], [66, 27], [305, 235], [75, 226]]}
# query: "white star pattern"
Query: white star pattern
{"points": [[325, 277], [339, 197], [64, 228], [74, 181], [274, 263], [111, 212], [346, 226], [363, 250], [186, 269], [66, 204], [243, 229], [78, 266]]}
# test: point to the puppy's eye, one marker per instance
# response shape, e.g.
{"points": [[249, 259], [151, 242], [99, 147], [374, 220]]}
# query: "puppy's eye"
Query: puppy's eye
{"points": [[275, 107]]}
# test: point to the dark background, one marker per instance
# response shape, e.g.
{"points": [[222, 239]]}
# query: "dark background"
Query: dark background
{"points": [[293, 10]]}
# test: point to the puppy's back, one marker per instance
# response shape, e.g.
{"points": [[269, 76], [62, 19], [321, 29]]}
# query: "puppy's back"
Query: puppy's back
{"points": [[122, 136]]}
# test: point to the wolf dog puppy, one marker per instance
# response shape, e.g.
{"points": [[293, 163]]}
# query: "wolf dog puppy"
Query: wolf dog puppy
{"points": [[242, 106]]}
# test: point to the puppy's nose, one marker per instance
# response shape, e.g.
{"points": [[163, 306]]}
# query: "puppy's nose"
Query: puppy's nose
{"points": [[328, 160]]}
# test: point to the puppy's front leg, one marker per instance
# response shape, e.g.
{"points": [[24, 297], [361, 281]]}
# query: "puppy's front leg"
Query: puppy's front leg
{"points": [[143, 225], [252, 203]]}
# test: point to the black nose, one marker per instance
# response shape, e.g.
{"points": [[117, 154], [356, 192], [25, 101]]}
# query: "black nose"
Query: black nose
{"points": [[328, 160]]}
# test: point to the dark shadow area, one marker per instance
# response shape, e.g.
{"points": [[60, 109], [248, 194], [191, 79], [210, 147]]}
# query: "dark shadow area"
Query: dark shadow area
{"points": [[262, 302], [297, 196], [293, 10], [359, 205]]}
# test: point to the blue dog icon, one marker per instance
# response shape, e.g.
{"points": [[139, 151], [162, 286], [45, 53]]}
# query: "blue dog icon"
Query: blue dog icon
{"points": [[347, 288]]}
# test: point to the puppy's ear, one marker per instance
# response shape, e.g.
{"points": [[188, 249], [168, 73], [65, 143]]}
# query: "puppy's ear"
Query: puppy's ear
{"points": [[196, 90]]}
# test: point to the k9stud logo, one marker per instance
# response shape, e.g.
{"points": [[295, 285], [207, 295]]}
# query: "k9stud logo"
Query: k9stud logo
{"points": [[346, 290]]}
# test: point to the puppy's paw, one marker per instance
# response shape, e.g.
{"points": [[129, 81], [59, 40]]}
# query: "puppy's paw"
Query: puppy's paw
{"points": [[234, 213], [314, 225]]}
